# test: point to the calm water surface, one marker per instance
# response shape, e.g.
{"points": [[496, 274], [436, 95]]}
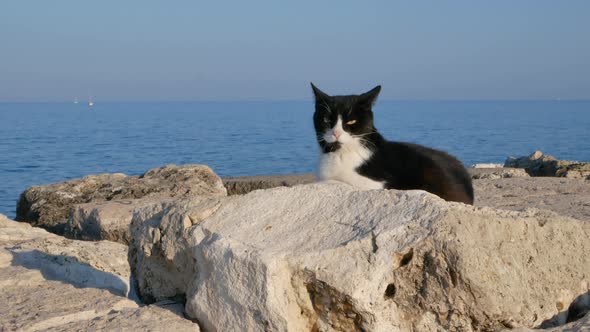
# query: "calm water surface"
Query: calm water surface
{"points": [[49, 142]]}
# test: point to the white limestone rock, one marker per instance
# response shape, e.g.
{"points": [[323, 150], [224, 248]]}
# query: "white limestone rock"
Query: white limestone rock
{"points": [[108, 220], [100, 264], [327, 257], [49, 206], [567, 197], [50, 283], [159, 252]]}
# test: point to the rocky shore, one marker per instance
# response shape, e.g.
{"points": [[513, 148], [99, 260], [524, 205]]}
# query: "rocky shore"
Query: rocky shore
{"points": [[179, 248]]}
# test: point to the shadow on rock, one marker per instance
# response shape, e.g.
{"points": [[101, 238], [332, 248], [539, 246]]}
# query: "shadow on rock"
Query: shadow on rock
{"points": [[577, 310], [70, 270]]}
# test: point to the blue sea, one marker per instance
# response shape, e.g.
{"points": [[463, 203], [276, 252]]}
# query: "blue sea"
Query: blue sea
{"points": [[42, 143]]}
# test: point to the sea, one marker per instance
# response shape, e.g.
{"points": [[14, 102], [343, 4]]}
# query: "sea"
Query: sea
{"points": [[43, 143]]}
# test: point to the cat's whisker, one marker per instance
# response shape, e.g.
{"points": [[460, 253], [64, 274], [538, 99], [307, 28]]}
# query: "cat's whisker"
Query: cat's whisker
{"points": [[368, 144], [321, 139], [363, 135]]}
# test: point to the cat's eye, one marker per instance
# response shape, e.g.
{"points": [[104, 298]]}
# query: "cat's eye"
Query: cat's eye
{"points": [[351, 122]]}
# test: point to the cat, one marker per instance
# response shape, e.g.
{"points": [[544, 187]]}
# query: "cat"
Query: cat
{"points": [[353, 151]]}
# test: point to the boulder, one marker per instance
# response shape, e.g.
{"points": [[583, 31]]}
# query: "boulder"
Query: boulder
{"points": [[49, 206], [110, 220], [53, 284], [327, 257], [496, 173], [539, 164], [159, 252], [575, 170], [101, 221], [245, 184], [107, 220]]}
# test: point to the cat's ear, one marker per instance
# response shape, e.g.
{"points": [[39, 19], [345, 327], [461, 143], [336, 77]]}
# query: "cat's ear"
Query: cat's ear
{"points": [[370, 97], [319, 94]]}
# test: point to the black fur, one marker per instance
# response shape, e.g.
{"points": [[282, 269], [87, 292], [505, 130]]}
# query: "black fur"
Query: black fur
{"points": [[399, 165]]}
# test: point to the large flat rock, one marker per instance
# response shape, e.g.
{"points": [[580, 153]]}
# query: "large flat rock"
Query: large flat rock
{"points": [[53, 284], [39, 304], [101, 264], [502, 188], [100, 207], [327, 257], [568, 197], [158, 317], [49, 206]]}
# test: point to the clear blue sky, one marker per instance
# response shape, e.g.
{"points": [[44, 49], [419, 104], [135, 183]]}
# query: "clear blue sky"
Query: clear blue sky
{"points": [[244, 50]]}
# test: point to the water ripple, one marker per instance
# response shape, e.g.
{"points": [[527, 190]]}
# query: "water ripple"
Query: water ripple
{"points": [[44, 143]]}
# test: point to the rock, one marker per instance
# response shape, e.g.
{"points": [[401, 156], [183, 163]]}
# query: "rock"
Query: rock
{"points": [[245, 184], [105, 220], [326, 257], [84, 264], [53, 284], [486, 166], [30, 302], [48, 206], [575, 171], [101, 221], [160, 317], [496, 173], [536, 164], [568, 197], [109, 220], [159, 253], [539, 164], [56, 306], [578, 326]]}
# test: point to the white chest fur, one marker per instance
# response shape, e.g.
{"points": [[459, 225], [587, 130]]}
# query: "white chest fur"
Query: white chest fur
{"points": [[341, 165]]}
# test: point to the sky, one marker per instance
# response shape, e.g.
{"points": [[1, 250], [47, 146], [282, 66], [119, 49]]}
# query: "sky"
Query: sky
{"points": [[270, 50]]}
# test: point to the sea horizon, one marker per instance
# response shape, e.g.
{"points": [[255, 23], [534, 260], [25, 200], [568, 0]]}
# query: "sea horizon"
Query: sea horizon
{"points": [[47, 142], [309, 100]]}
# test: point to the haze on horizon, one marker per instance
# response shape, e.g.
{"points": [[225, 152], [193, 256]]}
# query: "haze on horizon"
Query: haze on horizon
{"points": [[269, 50]]}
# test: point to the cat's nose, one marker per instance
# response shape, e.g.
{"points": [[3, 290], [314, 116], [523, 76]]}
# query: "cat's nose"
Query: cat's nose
{"points": [[337, 134]]}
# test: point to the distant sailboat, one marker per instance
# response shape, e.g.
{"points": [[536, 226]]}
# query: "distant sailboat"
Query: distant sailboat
{"points": [[75, 100], [90, 102]]}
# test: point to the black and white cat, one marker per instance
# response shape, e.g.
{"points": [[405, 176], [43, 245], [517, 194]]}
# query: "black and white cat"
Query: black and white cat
{"points": [[352, 151]]}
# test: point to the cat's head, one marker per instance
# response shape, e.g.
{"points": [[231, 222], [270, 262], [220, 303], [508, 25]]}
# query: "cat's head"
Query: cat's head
{"points": [[342, 120]]}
